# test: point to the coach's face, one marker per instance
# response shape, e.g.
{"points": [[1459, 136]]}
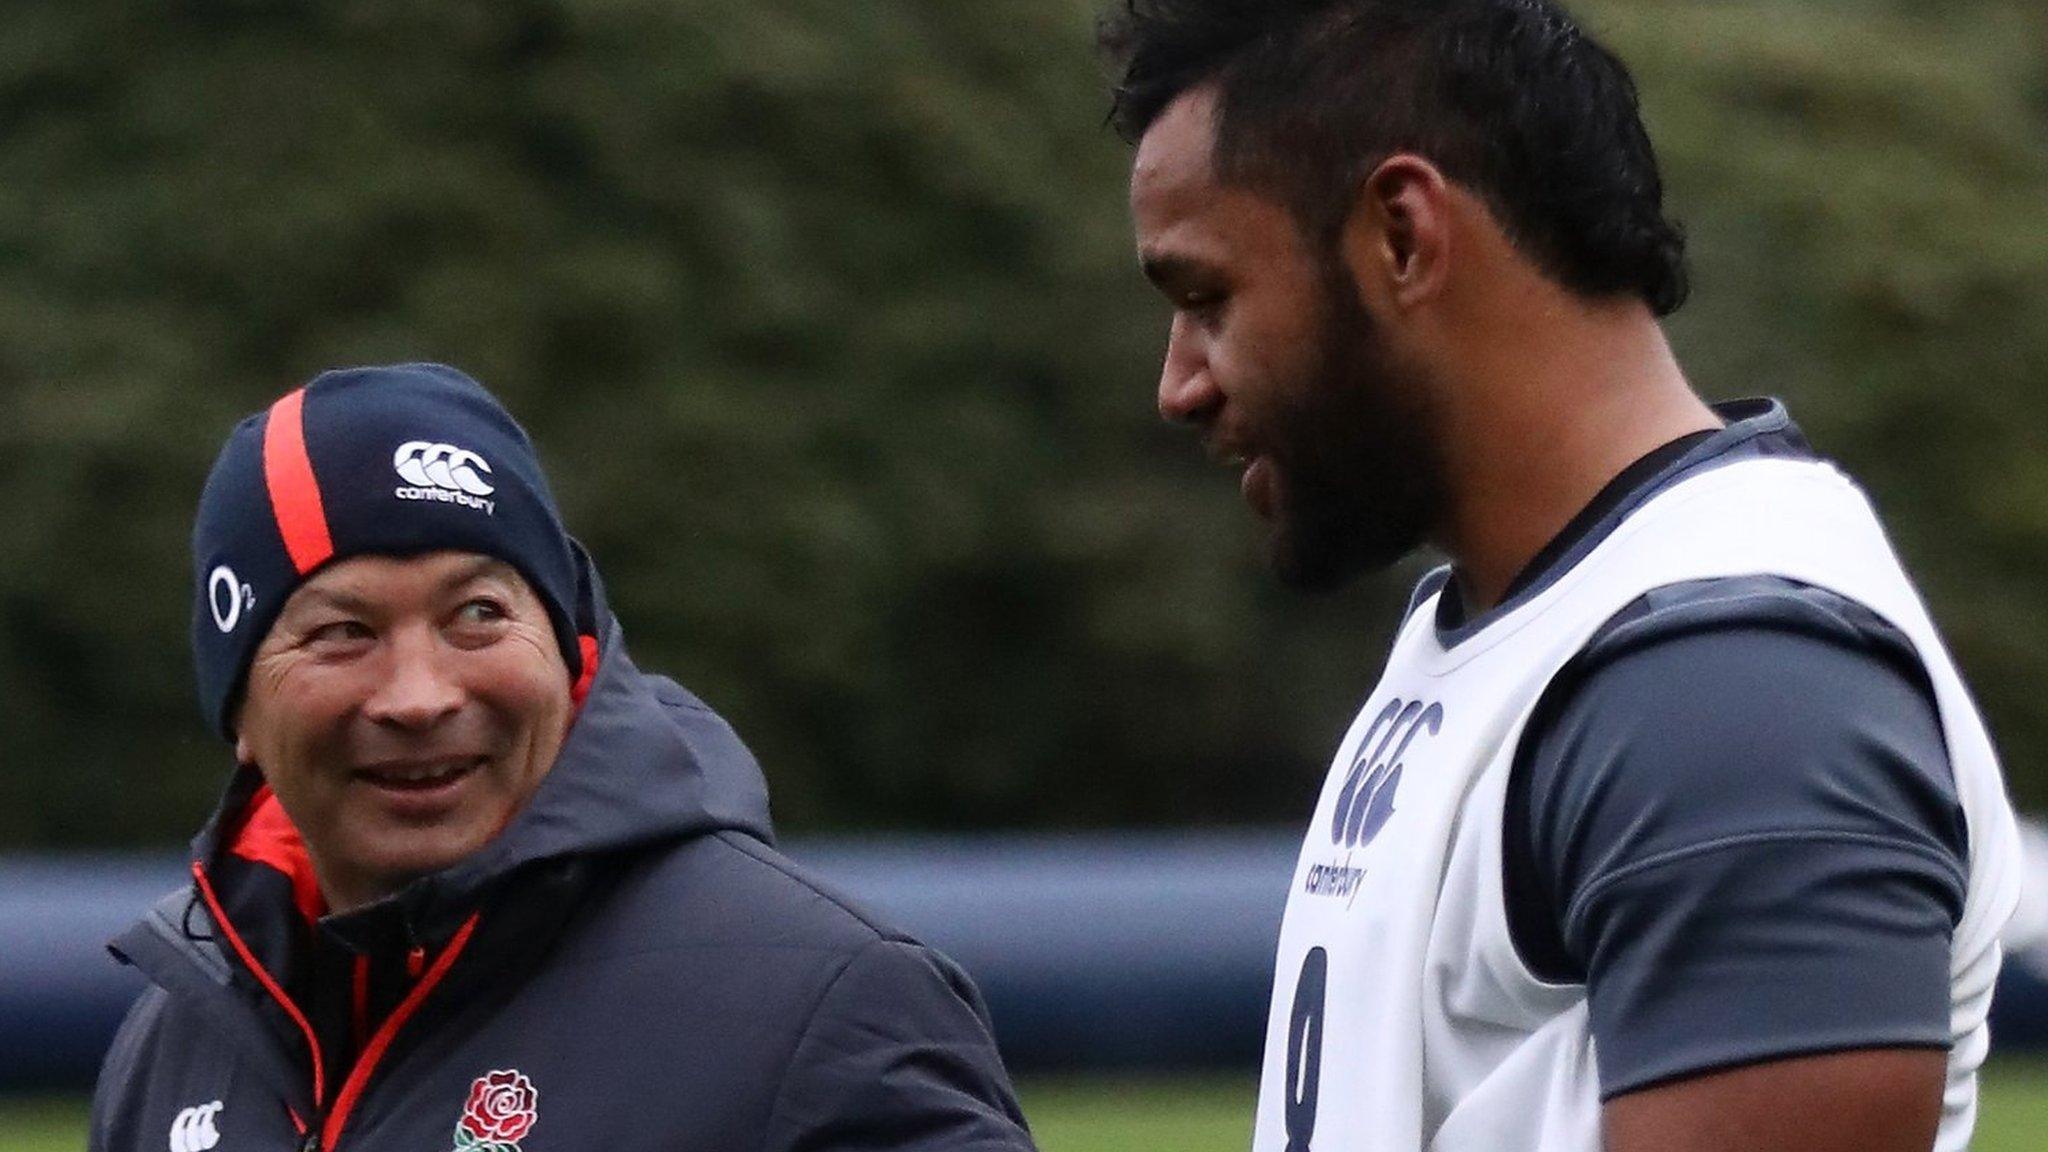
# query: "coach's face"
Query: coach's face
{"points": [[1275, 358], [403, 710]]}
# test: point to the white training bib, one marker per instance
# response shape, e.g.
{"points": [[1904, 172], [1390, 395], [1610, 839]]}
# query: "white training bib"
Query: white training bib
{"points": [[1402, 1017]]}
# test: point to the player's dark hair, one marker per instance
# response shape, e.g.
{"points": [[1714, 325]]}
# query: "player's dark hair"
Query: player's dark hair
{"points": [[1507, 97]]}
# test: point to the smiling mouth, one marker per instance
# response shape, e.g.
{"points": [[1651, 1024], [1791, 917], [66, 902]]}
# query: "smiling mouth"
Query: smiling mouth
{"points": [[424, 776]]}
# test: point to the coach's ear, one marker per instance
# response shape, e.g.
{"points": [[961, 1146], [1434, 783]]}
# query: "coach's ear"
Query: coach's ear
{"points": [[1397, 237]]}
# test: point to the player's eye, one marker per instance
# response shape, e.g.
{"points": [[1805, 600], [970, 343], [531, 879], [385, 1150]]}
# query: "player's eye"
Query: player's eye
{"points": [[1203, 306]]}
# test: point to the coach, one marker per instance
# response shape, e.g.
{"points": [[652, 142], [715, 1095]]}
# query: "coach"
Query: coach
{"points": [[478, 883]]}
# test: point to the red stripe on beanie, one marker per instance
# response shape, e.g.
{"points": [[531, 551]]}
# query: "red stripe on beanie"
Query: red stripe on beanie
{"points": [[294, 494]]}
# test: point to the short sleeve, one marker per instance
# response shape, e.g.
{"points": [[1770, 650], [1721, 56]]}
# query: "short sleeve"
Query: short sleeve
{"points": [[898, 1056], [1733, 819]]}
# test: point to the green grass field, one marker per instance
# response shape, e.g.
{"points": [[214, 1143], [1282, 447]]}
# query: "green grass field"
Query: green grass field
{"points": [[1129, 1115]]}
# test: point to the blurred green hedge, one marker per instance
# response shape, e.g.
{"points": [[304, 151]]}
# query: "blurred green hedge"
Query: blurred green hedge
{"points": [[825, 319]]}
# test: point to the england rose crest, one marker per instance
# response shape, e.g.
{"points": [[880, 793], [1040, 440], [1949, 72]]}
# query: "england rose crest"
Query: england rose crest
{"points": [[502, 1109]]}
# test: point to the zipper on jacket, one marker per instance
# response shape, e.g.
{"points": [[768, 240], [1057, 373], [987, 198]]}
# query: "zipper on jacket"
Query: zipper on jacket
{"points": [[324, 1133], [327, 1134]]}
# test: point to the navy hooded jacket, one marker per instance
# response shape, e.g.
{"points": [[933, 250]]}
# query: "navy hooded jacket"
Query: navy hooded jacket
{"points": [[629, 966]]}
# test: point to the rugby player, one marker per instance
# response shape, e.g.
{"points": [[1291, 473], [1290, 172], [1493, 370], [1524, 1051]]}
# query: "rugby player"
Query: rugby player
{"points": [[1670, 826]]}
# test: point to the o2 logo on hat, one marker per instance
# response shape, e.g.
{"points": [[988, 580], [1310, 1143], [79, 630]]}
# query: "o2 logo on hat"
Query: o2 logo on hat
{"points": [[443, 473], [227, 596]]}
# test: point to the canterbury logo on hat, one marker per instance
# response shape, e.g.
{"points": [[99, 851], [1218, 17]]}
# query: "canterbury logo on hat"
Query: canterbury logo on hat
{"points": [[443, 472]]}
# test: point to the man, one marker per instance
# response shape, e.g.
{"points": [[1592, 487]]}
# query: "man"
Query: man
{"points": [[1670, 825], [478, 883]]}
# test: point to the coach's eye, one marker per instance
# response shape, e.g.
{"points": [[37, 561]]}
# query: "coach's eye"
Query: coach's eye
{"points": [[481, 610], [336, 632]]}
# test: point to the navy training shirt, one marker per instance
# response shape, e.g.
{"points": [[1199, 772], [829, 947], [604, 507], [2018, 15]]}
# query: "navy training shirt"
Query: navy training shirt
{"points": [[1731, 815]]}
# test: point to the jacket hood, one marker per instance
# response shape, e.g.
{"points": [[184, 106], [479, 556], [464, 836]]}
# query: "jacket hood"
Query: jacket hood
{"points": [[644, 761]]}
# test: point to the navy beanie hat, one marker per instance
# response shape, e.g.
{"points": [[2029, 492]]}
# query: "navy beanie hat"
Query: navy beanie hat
{"points": [[396, 461]]}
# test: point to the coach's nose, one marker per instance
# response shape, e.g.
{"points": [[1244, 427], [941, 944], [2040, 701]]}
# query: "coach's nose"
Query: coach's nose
{"points": [[419, 688], [1187, 391]]}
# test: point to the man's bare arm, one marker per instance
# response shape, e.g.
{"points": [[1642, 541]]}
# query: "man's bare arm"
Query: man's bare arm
{"points": [[1877, 1100]]}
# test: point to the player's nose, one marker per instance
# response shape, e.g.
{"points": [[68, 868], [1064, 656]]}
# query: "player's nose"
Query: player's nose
{"points": [[1187, 391]]}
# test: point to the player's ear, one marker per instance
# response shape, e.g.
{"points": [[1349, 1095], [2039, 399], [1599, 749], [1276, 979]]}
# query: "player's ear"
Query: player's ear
{"points": [[1397, 236]]}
